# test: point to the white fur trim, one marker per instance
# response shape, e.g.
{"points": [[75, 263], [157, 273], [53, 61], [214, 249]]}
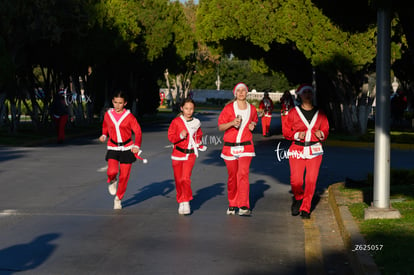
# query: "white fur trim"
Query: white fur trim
{"points": [[119, 148], [180, 158], [304, 88], [247, 154], [239, 85]]}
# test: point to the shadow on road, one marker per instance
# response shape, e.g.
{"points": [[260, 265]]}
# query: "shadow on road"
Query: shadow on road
{"points": [[257, 191], [205, 194], [149, 191], [6, 155], [27, 256]]}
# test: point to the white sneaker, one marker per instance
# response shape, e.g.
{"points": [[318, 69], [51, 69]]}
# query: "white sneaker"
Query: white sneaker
{"points": [[117, 203], [231, 211], [113, 187], [244, 211], [181, 208], [186, 208]]}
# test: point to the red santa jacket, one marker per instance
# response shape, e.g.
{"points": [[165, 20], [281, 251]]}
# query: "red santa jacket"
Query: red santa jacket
{"points": [[238, 142], [310, 146], [183, 146], [287, 104], [119, 132], [267, 106]]}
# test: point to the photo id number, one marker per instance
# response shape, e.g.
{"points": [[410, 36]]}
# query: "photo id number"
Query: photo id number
{"points": [[367, 247]]}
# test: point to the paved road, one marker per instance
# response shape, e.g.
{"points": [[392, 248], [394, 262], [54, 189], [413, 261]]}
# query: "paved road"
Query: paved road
{"points": [[56, 216]]}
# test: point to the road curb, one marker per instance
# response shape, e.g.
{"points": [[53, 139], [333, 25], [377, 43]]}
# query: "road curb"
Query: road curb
{"points": [[361, 261], [313, 249]]}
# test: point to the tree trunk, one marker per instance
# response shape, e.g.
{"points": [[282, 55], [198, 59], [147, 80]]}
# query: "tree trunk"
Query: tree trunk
{"points": [[179, 88], [33, 114], [3, 113], [347, 115], [168, 95], [344, 94], [13, 120], [187, 84]]}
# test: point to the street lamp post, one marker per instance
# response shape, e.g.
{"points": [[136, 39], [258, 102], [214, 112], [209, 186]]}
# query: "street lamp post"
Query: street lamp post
{"points": [[218, 81], [381, 205]]}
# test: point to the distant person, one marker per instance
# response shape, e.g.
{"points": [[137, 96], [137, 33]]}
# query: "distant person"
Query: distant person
{"points": [[117, 128], [60, 114], [162, 98], [398, 106], [265, 112], [238, 119], [186, 135], [306, 126], [287, 103]]}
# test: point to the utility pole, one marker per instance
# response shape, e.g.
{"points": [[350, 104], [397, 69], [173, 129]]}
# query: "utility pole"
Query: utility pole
{"points": [[381, 208], [218, 81], [315, 99]]}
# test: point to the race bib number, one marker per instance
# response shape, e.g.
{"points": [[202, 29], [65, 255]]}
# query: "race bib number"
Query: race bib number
{"points": [[236, 150], [316, 149]]}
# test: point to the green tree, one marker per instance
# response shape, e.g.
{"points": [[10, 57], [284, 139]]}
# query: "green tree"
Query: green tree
{"points": [[154, 35], [31, 30], [103, 44], [268, 25], [232, 71]]}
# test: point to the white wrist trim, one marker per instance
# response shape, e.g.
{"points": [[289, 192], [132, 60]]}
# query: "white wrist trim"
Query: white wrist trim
{"points": [[296, 136]]}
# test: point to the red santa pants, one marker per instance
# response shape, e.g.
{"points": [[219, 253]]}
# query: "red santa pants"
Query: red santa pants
{"points": [[60, 123], [297, 170], [266, 125], [238, 186], [283, 119], [182, 176], [124, 170]]}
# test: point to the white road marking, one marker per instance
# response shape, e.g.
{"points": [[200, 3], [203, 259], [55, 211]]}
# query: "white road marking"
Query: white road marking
{"points": [[8, 212], [102, 169]]}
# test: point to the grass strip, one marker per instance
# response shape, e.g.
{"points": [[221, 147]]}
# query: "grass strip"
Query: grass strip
{"points": [[395, 237]]}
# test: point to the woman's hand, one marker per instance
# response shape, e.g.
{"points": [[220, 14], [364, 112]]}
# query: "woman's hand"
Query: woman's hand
{"points": [[301, 135], [102, 138], [319, 134], [252, 125], [237, 121], [135, 150], [183, 134]]}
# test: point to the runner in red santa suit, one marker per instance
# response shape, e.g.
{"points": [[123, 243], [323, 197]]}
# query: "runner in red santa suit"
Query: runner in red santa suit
{"points": [[265, 111], [306, 126], [117, 128], [186, 135], [238, 119]]}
